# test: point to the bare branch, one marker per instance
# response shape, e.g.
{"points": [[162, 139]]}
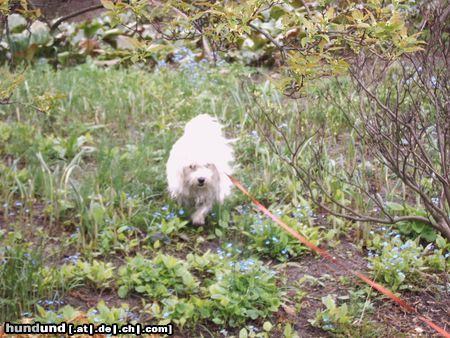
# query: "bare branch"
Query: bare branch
{"points": [[60, 20]]}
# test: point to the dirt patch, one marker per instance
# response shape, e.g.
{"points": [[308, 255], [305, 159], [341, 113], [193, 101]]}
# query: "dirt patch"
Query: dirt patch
{"points": [[321, 278]]}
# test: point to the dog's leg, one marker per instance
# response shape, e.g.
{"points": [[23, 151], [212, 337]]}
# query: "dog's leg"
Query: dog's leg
{"points": [[199, 216]]}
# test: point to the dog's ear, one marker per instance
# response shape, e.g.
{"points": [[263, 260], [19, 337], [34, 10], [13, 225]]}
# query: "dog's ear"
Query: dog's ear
{"points": [[225, 187], [175, 177]]}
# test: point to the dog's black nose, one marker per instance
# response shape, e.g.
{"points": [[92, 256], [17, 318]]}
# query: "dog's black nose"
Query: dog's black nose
{"points": [[201, 180]]}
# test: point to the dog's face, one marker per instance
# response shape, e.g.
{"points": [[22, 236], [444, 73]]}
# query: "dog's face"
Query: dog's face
{"points": [[201, 175]]}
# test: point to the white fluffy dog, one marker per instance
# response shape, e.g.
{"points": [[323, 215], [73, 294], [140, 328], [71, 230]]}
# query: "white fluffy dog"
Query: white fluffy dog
{"points": [[197, 167]]}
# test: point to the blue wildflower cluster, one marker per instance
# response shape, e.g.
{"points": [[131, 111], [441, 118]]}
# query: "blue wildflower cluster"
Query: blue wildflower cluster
{"points": [[196, 71], [50, 302], [397, 262], [73, 258], [245, 210], [268, 238], [167, 213], [246, 265], [17, 206], [228, 251], [303, 212]]}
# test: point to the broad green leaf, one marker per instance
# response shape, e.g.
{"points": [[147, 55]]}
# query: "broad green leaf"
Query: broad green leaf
{"points": [[243, 333], [267, 326], [393, 206], [107, 4]]}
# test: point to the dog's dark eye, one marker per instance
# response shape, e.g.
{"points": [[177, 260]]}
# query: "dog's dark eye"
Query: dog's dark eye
{"points": [[207, 165], [192, 166]]}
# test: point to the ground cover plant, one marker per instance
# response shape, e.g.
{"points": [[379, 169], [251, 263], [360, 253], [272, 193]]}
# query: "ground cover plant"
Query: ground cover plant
{"points": [[88, 190], [88, 232]]}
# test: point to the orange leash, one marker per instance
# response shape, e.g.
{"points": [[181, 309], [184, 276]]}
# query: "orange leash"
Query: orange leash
{"points": [[325, 254]]}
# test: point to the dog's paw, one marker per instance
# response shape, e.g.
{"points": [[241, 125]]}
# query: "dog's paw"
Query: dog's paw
{"points": [[198, 219]]}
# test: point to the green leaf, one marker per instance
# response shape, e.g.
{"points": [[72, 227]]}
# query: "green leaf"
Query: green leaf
{"points": [[243, 333], [329, 13], [328, 301], [267, 326], [252, 313], [107, 4], [441, 242], [140, 288], [428, 234], [289, 332], [276, 12], [405, 228], [5, 131], [357, 15], [123, 291], [393, 206], [16, 23], [418, 226], [217, 320]]}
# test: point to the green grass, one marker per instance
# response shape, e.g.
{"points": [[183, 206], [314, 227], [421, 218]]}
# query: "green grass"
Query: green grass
{"points": [[82, 185]]}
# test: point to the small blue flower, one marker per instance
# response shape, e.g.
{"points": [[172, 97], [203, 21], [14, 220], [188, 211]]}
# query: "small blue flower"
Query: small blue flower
{"points": [[170, 216], [181, 212], [405, 246]]}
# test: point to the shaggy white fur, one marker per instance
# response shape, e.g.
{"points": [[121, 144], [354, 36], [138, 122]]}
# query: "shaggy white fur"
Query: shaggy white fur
{"points": [[197, 166]]}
